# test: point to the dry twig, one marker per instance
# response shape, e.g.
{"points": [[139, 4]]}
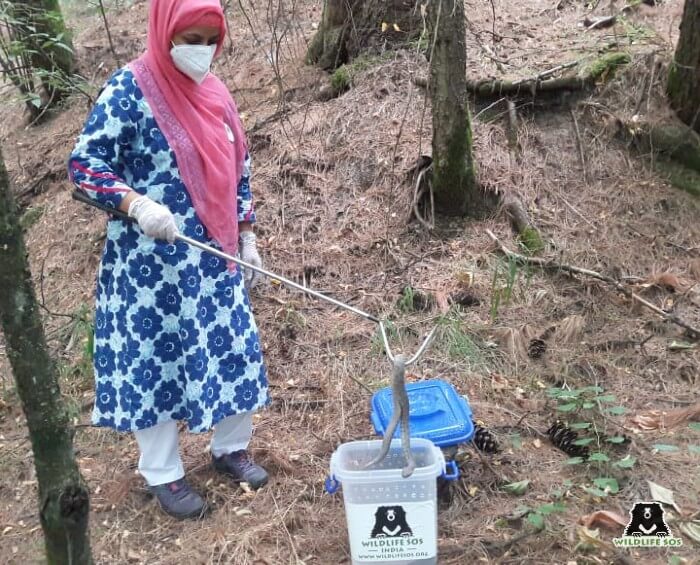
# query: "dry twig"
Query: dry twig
{"points": [[551, 265]]}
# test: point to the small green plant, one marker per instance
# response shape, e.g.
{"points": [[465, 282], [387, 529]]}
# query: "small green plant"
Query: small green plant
{"points": [[459, 345], [392, 333], [37, 57], [505, 278], [537, 516], [636, 32], [406, 302], [31, 217], [587, 409], [341, 80], [420, 44], [413, 300]]}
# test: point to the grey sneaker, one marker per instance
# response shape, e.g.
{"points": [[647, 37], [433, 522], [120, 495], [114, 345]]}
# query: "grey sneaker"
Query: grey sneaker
{"points": [[240, 467], [179, 500]]}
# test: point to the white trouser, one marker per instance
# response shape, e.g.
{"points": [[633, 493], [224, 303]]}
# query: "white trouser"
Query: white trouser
{"points": [[160, 460]]}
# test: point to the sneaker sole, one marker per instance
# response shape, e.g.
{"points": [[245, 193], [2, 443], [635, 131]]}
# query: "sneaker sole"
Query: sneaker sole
{"points": [[239, 481], [198, 515]]}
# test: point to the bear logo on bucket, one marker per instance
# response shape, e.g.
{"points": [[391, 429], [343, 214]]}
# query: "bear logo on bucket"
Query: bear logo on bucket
{"points": [[390, 522]]}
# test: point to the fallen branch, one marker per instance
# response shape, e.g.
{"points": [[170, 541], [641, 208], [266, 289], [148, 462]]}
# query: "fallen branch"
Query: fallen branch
{"points": [[535, 85], [551, 265], [532, 86], [582, 153], [593, 23]]}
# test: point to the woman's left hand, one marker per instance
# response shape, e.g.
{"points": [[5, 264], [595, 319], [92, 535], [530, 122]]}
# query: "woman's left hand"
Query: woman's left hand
{"points": [[249, 254]]}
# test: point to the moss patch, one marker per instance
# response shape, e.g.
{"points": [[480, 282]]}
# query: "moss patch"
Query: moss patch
{"points": [[31, 217], [341, 80], [679, 176], [531, 240], [605, 65]]}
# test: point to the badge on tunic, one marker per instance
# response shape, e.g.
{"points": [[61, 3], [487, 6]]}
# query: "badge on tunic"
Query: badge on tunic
{"points": [[229, 133]]}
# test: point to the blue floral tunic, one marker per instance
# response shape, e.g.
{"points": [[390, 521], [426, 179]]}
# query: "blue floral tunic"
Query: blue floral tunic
{"points": [[175, 338]]}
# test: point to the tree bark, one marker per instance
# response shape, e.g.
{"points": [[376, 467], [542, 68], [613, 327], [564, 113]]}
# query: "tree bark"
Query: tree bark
{"points": [[48, 57], [454, 178], [684, 77], [348, 27], [63, 497]]}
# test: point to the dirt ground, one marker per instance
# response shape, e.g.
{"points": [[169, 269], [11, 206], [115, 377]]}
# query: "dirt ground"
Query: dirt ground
{"points": [[334, 208]]}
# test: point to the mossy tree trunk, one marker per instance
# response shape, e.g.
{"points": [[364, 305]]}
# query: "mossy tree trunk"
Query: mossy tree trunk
{"points": [[63, 497], [327, 49], [50, 42], [350, 26], [684, 77], [454, 179]]}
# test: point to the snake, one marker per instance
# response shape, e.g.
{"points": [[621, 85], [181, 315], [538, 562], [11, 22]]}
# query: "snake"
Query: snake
{"points": [[400, 415]]}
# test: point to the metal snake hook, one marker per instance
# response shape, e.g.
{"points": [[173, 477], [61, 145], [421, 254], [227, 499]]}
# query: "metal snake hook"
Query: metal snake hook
{"points": [[400, 403]]}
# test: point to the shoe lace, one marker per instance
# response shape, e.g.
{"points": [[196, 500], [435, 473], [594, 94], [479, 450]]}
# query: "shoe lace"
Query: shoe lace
{"points": [[243, 460]]}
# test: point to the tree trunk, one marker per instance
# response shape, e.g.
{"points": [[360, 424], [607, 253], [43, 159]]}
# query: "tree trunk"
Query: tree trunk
{"points": [[684, 78], [51, 45], [63, 497], [350, 26], [454, 180]]}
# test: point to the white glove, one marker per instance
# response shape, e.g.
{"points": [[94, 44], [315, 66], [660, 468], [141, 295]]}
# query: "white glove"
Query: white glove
{"points": [[155, 220], [249, 254]]}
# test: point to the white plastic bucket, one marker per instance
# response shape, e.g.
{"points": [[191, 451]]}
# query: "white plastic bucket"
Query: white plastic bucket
{"points": [[390, 519]]}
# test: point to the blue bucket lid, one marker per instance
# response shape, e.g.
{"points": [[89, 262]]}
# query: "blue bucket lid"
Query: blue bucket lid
{"points": [[438, 413]]}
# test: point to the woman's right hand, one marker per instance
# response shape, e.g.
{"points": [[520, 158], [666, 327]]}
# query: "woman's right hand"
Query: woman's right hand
{"points": [[154, 219]]}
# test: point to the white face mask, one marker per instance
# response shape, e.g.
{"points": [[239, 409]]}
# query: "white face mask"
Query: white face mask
{"points": [[193, 60]]}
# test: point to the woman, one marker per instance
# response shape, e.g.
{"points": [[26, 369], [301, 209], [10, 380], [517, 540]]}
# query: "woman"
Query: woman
{"points": [[174, 335]]}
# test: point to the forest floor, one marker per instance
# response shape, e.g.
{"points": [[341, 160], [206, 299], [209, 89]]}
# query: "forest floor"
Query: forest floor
{"points": [[334, 205]]}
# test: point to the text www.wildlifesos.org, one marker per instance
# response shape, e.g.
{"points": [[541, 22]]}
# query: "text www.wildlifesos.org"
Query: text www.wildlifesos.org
{"points": [[392, 532]]}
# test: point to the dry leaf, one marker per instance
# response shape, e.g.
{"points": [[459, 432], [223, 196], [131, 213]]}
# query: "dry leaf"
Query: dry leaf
{"points": [[667, 281], [442, 301], [515, 342], [603, 518], [663, 495], [692, 530], [499, 382], [589, 538], [569, 330], [683, 415], [694, 269], [658, 419]]}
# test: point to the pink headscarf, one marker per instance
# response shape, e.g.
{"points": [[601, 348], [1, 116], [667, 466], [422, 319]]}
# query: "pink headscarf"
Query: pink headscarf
{"points": [[192, 117]]}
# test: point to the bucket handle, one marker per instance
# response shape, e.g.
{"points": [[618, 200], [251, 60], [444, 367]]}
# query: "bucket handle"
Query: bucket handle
{"points": [[451, 472], [332, 485]]}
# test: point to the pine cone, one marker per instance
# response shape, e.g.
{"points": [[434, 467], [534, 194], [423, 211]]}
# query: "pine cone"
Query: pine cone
{"points": [[564, 438], [483, 440], [536, 348]]}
